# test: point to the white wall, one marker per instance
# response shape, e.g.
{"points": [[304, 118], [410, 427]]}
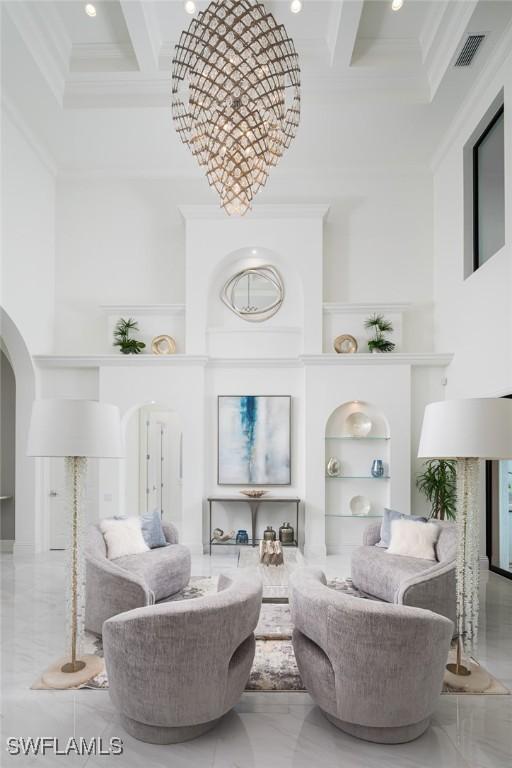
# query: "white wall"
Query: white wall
{"points": [[28, 238], [122, 241], [473, 317]]}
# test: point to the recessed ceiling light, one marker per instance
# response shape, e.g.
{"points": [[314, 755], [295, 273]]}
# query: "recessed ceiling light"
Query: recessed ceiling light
{"points": [[90, 10], [190, 7], [296, 6], [254, 252], [396, 5]]}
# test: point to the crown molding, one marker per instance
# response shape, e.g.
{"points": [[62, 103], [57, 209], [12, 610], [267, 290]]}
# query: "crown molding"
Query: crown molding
{"points": [[462, 120], [445, 41], [340, 307], [41, 152], [143, 309], [45, 50], [276, 211]]}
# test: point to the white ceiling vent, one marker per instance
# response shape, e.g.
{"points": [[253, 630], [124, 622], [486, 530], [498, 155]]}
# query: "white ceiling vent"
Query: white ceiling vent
{"points": [[469, 50]]}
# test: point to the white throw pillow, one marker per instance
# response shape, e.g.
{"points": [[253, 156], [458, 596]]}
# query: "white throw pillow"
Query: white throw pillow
{"points": [[413, 540], [123, 536]]}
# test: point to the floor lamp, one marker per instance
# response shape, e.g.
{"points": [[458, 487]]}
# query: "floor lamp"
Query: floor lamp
{"points": [[467, 430], [76, 430]]}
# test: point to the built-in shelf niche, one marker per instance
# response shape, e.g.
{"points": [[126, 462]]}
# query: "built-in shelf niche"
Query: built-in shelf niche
{"points": [[355, 454], [153, 320]]}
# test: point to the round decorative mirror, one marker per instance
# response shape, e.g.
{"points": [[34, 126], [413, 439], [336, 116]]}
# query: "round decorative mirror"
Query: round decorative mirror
{"points": [[255, 293]]}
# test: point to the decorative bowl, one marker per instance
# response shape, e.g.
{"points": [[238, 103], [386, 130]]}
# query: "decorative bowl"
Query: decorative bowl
{"points": [[254, 493], [345, 344], [360, 506], [358, 424]]}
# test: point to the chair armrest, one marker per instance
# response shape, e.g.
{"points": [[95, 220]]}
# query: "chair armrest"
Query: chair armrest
{"points": [[116, 587], [434, 589], [170, 533], [371, 535]]}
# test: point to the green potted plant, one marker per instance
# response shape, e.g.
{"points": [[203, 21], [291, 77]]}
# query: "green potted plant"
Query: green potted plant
{"points": [[127, 345], [379, 326], [438, 482]]}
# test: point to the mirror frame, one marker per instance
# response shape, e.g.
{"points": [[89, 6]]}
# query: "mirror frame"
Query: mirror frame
{"points": [[265, 271]]}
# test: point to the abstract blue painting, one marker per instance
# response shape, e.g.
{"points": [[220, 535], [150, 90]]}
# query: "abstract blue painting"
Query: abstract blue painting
{"points": [[254, 440]]}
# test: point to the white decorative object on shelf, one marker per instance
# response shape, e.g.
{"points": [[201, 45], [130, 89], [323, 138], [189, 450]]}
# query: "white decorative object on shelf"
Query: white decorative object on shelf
{"points": [[333, 467], [359, 424], [360, 506]]}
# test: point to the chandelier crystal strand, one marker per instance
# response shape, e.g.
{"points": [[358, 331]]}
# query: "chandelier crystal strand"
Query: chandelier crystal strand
{"points": [[236, 96]]}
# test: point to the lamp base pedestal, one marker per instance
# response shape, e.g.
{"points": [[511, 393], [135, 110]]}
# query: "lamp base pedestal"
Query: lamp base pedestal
{"points": [[56, 676], [458, 669]]}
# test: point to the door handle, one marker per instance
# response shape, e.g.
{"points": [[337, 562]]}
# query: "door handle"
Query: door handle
{"points": [[53, 493]]}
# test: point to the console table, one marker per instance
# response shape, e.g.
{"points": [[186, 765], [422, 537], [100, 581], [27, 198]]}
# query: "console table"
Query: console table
{"points": [[254, 505]]}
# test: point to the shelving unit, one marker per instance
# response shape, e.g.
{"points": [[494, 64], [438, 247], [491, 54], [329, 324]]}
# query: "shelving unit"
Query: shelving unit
{"points": [[357, 517], [357, 477], [355, 454], [234, 543], [352, 437]]}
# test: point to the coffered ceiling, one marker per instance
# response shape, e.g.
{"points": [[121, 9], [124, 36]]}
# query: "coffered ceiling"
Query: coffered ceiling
{"points": [[122, 56], [378, 86]]}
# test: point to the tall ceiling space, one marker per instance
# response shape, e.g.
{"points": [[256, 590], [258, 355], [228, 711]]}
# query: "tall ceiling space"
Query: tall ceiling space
{"points": [[379, 88]]}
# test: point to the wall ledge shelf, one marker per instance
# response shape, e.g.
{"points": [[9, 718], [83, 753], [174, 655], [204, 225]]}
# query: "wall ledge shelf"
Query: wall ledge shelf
{"points": [[355, 517], [353, 437], [428, 359], [357, 477]]}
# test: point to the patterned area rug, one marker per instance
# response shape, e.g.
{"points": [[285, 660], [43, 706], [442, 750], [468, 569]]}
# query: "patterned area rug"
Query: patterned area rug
{"points": [[274, 667]]}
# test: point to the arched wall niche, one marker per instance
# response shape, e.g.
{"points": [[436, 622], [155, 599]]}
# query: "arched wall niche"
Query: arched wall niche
{"points": [[356, 434], [228, 335], [291, 313]]}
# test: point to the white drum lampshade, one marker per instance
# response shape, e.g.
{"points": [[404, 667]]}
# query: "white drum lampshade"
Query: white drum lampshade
{"points": [[473, 428], [75, 428], [467, 430]]}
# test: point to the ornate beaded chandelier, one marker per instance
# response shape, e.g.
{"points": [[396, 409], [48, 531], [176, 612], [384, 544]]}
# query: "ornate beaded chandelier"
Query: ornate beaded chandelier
{"points": [[236, 96]]}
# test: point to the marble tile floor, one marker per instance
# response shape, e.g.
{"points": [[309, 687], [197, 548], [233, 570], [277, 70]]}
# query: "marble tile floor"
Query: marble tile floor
{"points": [[267, 730]]}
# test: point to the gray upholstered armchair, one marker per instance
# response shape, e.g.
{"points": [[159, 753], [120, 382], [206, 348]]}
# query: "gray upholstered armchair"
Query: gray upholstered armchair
{"points": [[114, 586], [375, 670], [175, 669], [409, 580]]}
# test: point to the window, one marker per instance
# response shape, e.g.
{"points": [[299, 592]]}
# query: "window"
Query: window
{"points": [[489, 191]]}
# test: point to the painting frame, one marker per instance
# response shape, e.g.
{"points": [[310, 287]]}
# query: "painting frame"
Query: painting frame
{"points": [[249, 483]]}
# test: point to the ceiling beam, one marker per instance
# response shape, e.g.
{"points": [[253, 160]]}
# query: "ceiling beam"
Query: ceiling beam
{"points": [[441, 38], [143, 32], [343, 23]]}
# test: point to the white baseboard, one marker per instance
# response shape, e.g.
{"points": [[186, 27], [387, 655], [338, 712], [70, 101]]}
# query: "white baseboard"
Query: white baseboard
{"points": [[7, 546]]}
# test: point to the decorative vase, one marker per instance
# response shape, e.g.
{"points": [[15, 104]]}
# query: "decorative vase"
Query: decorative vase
{"points": [[242, 537], [333, 467], [269, 534], [286, 534], [377, 468]]}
